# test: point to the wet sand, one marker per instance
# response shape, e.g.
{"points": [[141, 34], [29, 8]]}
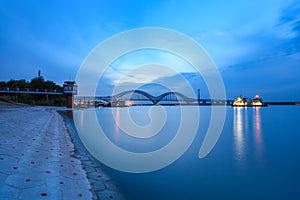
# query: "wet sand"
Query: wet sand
{"points": [[38, 158]]}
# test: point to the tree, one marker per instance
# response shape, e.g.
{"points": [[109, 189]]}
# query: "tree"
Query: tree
{"points": [[14, 84], [37, 83], [2, 84]]}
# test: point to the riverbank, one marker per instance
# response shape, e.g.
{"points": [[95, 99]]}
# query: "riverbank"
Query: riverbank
{"points": [[102, 186], [38, 159]]}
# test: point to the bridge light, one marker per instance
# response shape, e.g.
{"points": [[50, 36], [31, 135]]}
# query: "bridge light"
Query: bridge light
{"points": [[128, 103]]}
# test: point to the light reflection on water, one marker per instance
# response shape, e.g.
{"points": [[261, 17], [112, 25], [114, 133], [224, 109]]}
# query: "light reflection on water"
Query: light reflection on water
{"points": [[239, 133], [81, 118], [117, 129], [258, 139], [244, 131]]}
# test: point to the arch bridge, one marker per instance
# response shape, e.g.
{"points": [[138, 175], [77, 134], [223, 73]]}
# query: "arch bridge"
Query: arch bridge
{"points": [[126, 98]]}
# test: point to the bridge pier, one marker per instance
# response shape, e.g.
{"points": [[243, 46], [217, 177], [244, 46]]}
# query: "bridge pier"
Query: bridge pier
{"points": [[198, 96]]}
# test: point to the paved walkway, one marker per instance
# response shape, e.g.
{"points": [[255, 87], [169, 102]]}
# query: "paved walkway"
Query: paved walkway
{"points": [[39, 161]]}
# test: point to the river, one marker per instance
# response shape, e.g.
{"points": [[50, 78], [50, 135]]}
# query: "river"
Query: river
{"points": [[257, 155]]}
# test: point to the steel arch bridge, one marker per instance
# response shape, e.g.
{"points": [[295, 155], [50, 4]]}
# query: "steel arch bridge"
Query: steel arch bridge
{"points": [[142, 96], [139, 95]]}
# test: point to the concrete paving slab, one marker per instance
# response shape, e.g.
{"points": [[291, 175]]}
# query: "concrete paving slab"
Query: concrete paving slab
{"points": [[24, 181], [109, 194], [34, 147], [42, 192], [41, 158], [8, 193]]}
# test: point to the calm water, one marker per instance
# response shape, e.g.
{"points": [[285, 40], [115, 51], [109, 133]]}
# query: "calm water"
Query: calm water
{"points": [[256, 157]]}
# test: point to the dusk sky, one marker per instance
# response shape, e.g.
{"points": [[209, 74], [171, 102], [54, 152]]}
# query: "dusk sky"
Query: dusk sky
{"points": [[255, 44]]}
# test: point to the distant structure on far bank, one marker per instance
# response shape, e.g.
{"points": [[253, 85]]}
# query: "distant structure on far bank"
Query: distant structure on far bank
{"points": [[248, 102], [70, 89]]}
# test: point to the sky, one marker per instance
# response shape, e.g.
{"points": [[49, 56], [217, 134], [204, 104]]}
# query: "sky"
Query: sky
{"points": [[255, 44]]}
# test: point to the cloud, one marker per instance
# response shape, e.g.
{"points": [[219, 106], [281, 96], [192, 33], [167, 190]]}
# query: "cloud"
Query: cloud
{"points": [[281, 40], [177, 82], [290, 18]]}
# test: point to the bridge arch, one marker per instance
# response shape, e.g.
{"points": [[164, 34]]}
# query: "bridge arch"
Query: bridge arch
{"points": [[148, 96], [185, 98], [154, 99]]}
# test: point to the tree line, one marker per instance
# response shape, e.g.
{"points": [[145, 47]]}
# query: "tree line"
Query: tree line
{"points": [[36, 83]]}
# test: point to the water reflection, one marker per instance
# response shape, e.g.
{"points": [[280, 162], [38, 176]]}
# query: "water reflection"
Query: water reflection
{"points": [[242, 125], [81, 121], [117, 129], [238, 133], [258, 139]]}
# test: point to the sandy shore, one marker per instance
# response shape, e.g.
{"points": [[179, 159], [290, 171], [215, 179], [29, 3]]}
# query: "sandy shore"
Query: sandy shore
{"points": [[38, 158]]}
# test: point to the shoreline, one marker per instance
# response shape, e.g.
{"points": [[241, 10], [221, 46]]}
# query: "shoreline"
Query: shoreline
{"points": [[102, 185], [40, 158]]}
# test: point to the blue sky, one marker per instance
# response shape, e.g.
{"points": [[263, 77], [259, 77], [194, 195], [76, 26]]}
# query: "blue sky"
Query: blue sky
{"points": [[255, 44]]}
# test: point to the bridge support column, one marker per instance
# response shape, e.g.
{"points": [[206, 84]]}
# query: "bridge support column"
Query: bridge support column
{"points": [[69, 101], [70, 89], [198, 96]]}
